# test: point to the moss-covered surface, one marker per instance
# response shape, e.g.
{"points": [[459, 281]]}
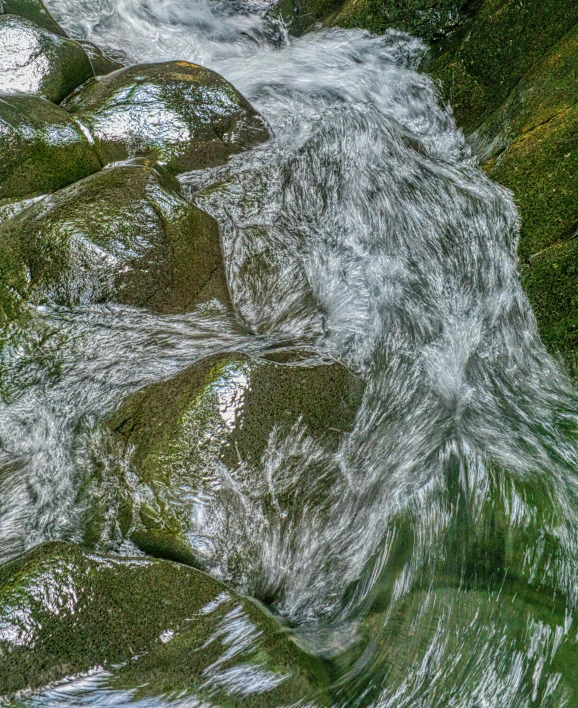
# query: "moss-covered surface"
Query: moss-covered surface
{"points": [[531, 141], [34, 10], [481, 63], [181, 115], [428, 19], [551, 281], [36, 61], [63, 611], [42, 148], [125, 234], [222, 411], [101, 64]]}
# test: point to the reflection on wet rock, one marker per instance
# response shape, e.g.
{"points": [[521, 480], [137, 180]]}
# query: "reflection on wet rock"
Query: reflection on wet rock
{"points": [[100, 62], [34, 10], [231, 428], [182, 115], [64, 611], [34, 60], [42, 148], [125, 234]]}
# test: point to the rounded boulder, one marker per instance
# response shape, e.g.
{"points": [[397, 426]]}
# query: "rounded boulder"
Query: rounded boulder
{"points": [[155, 626], [42, 149], [125, 234], [36, 61], [181, 115]]}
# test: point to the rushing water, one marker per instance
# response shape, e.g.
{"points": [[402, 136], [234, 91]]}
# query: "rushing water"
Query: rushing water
{"points": [[440, 570]]}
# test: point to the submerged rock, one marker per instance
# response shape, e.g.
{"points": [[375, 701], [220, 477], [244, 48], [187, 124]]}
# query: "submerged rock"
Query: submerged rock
{"points": [[101, 64], [181, 115], [65, 611], [36, 61], [446, 629], [125, 234], [226, 418], [42, 148], [34, 10]]}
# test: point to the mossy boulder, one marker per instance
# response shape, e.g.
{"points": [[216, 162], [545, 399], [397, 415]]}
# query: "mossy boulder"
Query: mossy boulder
{"points": [[479, 65], [34, 10], [181, 115], [510, 75], [36, 61], [65, 611], [125, 234], [219, 419], [100, 62], [42, 148], [531, 141]]}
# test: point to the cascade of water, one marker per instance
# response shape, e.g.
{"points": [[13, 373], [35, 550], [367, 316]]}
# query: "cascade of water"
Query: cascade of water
{"points": [[421, 551]]}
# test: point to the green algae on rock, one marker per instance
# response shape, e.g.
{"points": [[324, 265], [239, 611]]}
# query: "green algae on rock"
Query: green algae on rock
{"points": [[181, 115], [531, 141], [34, 10], [220, 418], [550, 279], [42, 148], [36, 61], [428, 19], [65, 611], [481, 63], [125, 234], [101, 64]]}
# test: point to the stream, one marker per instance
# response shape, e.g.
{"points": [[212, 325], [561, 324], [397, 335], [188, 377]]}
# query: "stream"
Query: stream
{"points": [[439, 568]]}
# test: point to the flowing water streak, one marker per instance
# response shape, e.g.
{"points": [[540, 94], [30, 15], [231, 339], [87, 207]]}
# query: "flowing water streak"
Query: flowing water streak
{"points": [[392, 253]]}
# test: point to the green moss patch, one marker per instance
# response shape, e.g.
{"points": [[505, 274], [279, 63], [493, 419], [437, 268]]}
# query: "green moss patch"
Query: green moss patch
{"points": [[64, 611], [42, 149]]}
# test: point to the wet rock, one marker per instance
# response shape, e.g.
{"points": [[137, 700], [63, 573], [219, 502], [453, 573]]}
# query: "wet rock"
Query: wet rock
{"points": [[125, 234], [10, 207], [427, 19], [479, 65], [513, 626], [101, 64], [509, 73], [226, 418], [181, 115], [42, 148], [36, 61], [551, 280], [34, 10], [64, 611], [531, 141]]}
